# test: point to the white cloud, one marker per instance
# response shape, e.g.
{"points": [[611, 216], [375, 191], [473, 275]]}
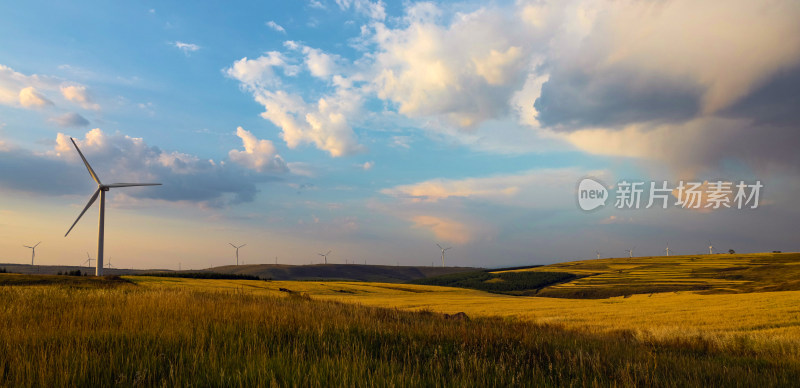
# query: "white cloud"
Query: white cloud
{"points": [[374, 10], [186, 47], [79, 94], [464, 72], [70, 119], [316, 4], [324, 123], [258, 155], [366, 166], [31, 98], [259, 73], [275, 26], [532, 189]]}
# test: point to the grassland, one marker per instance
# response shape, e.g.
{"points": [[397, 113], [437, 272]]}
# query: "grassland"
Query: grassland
{"points": [[726, 321], [763, 319], [723, 273], [233, 333]]}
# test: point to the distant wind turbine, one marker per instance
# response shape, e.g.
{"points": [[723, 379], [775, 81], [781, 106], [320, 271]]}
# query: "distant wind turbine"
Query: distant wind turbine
{"points": [[237, 251], [598, 254], [443, 250], [108, 265], [630, 251], [325, 256], [101, 191], [33, 250], [667, 249], [710, 248], [89, 260]]}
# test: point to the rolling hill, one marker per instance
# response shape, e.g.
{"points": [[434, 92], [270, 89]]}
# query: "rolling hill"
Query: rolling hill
{"points": [[348, 272], [605, 278], [720, 273]]}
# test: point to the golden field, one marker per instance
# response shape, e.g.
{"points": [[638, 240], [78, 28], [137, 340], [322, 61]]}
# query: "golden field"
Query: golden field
{"points": [[761, 317]]}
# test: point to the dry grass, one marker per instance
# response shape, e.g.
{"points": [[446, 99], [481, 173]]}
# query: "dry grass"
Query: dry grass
{"points": [[763, 318], [247, 334]]}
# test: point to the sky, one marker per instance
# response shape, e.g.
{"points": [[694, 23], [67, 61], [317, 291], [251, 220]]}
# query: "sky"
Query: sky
{"points": [[378, 129]]}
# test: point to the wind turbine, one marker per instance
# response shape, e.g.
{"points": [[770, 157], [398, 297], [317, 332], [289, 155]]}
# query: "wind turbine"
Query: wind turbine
{"points": [[108, 265], [89, 260], [630, 251], [101, 191], [710, 248], [325, 256], [598, 254], [33, 250], [667, 249], [443, 249], [237, 251]]}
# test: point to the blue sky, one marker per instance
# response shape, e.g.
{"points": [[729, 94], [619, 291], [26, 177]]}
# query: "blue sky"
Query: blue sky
{"points": [[377, 129]]}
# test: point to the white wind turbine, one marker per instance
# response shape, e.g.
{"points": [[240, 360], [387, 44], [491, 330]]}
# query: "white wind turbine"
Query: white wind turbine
{"points": [[237, 251], [101, 191], [443, 250], [598, 254], [630, 251], [710, 248], [325, 256], [33, 250], [667, 250], [89, 259]]}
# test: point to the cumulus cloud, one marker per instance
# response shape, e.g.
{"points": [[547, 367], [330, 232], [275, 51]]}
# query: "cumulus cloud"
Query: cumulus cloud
{"points": [[70, 119], [275, 26], [366, 166], [464, 71], [79, 94], [120, 158], [323, 123], [187, 48], [259, 73], [258, 155], [656, 81], [12, 84], [31, 98]]}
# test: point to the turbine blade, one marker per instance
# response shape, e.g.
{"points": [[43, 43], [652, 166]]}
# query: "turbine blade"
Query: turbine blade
{"points": [[233, 245], [88, 205], [329, 252], [132, 184], [88, 167], [242, 245], [440, 247], [37, 244]]}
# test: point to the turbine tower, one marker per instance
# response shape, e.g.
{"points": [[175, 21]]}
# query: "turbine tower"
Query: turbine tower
{"points": [[325, 256], [598, 254], [237, 251], [443, 250], [710, 248], [33, 250], [101, 191], [667, 249]]}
